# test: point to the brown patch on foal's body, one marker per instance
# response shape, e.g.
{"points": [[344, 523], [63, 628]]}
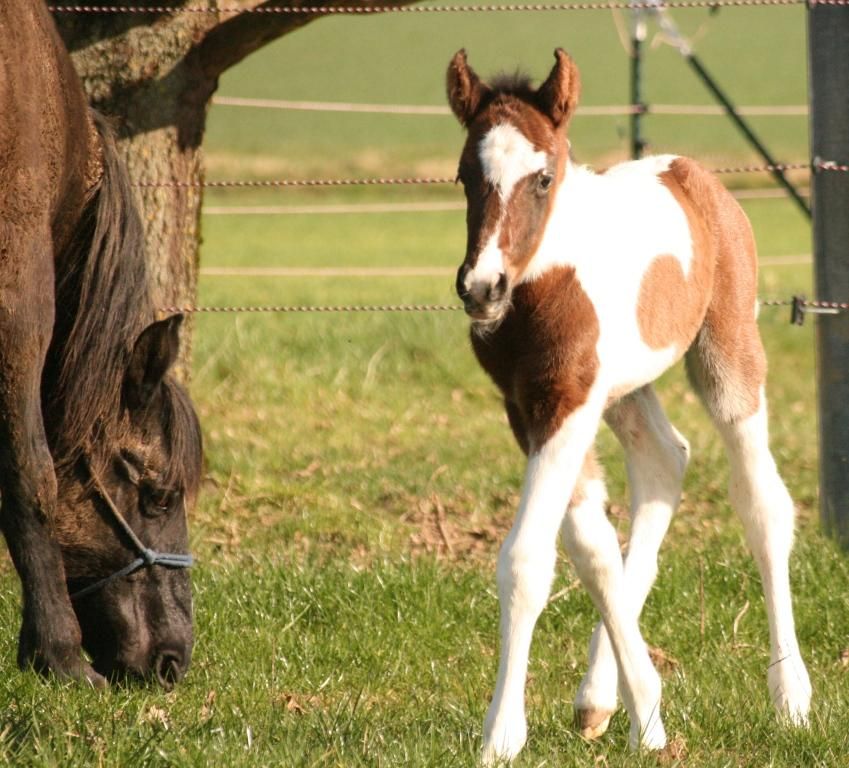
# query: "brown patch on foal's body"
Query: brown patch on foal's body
{"points": [[725, 361], [671, 305], [543, 355]]}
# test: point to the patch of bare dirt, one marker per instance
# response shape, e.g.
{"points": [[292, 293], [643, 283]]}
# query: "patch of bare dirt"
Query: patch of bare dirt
{"points": [[296, 703], [673, 754], [444, 528], [663, 662]]}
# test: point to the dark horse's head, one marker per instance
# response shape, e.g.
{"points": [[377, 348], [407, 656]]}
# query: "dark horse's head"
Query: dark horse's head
{"points": [[126, 445]]}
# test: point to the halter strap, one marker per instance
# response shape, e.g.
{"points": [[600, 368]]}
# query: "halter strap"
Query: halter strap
{"points": [[147, 557]]}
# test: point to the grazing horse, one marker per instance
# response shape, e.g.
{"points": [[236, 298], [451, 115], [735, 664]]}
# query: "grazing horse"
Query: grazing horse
{"points": [[100, 450], [582, 289]]}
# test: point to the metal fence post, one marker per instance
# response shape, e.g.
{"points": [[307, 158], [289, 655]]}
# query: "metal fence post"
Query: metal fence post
{"points": [[638, 36], [828, 57]]}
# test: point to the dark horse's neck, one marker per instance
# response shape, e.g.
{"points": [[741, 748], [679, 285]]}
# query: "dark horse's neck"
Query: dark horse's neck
{"points": [[102, 304]]}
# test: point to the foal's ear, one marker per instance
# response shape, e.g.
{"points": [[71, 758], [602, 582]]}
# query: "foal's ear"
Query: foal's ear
{"points": [[154, 353], [558, 96], [464, 87]]}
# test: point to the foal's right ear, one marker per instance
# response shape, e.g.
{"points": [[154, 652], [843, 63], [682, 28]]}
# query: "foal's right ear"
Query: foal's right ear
{"points": [[464, 87]]}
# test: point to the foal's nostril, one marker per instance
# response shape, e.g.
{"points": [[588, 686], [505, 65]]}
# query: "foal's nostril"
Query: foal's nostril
{"points": [[169, 668], [498, 288]]}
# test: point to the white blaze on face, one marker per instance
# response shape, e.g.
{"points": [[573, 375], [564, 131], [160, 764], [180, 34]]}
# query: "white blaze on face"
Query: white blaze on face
{"points": [[506, 157]]}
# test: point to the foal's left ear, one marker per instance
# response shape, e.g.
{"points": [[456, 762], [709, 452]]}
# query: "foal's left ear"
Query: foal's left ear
{"points": [[464, 88], [154, 353], [558, 95]]}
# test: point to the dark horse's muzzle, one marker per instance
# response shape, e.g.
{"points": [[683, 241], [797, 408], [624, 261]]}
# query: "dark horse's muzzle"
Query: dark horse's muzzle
{"points": [[168, 658]]}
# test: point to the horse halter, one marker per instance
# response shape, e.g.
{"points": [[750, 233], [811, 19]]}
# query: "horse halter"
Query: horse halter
{"points": [[147, 557]]}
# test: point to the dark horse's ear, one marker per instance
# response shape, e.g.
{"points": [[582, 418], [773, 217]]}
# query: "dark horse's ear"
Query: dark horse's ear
{"points": [[154, 353], [464, 87], [558, 96]]}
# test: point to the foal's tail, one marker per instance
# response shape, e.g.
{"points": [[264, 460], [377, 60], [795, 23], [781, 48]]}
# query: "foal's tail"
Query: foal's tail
{"points": [[102, 304], [726, 362]]}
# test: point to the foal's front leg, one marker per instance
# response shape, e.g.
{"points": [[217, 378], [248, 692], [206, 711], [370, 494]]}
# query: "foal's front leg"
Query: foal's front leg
{"points": [[617, 649], [656, 457], [526, 569]]}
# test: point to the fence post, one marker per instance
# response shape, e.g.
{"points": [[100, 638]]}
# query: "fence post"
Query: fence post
{"points": [[638, 36], [828, 72]]}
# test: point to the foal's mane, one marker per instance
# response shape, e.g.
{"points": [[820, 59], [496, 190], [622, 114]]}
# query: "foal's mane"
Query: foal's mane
{"points": [[103, 302], [515, 84]]}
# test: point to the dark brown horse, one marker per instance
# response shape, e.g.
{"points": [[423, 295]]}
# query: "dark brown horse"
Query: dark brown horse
{"points": [[100, 449]]}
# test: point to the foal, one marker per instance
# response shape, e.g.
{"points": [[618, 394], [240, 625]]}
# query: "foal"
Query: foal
{"points": [[583, 288]]}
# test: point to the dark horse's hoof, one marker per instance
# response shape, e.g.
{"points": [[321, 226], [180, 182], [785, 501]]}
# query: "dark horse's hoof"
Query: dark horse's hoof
{"points": [[81, 671], [62, 659]]}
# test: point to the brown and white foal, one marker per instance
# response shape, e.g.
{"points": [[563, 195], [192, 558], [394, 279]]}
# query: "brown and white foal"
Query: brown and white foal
{"points": [[583, 288]]}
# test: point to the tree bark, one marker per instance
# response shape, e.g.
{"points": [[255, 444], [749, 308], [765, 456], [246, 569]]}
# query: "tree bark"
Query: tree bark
{"points": [[154, 74]]}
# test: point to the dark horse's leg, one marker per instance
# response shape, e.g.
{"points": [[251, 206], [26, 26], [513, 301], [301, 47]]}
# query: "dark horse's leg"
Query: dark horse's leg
{"points": [[50, 634]]}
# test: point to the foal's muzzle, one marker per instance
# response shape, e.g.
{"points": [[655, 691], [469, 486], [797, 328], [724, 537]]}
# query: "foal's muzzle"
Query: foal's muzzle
{"points": [[483, 300]]}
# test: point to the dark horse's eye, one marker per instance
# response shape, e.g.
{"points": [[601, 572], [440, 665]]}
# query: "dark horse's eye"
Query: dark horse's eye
{"points": [[157, 501], [544, 182], [129, 467]]}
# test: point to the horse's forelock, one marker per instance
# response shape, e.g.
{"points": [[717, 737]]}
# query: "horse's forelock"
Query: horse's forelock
{"points": [[185, 444]]}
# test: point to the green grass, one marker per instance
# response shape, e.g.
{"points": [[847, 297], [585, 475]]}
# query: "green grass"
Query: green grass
{"points": [[336, 624]]}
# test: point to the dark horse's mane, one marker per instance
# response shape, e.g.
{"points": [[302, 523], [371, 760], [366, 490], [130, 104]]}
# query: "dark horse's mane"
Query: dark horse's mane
{"points": [[103, 302]]}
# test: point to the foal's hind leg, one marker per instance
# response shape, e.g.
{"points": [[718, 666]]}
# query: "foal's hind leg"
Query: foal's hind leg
{"points": [[728, 367], [656, 457]]}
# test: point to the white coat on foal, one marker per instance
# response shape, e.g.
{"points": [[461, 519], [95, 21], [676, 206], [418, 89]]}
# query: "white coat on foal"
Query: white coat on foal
{"points": [[583, 288]]}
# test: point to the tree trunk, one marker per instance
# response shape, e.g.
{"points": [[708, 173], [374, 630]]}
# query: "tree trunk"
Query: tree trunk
{"points": [[154, 74]]}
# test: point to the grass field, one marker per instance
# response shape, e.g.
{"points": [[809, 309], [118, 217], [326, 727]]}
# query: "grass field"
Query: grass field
{"points": [[361, 475]]}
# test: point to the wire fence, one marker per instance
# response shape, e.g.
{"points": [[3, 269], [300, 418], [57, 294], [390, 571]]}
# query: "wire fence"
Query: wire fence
{"points": [[409, 271], [609, 110], [327, 10], [800, 306], [425, 181], [367, 209]]}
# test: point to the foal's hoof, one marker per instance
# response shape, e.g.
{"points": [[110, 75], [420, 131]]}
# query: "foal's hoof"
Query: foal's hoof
{"points": [[592, 723], [791, 689], [503, 740]]}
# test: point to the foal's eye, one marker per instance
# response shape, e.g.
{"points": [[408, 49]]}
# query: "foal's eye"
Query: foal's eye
{"points": [[157, 501], [544, 182]]}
